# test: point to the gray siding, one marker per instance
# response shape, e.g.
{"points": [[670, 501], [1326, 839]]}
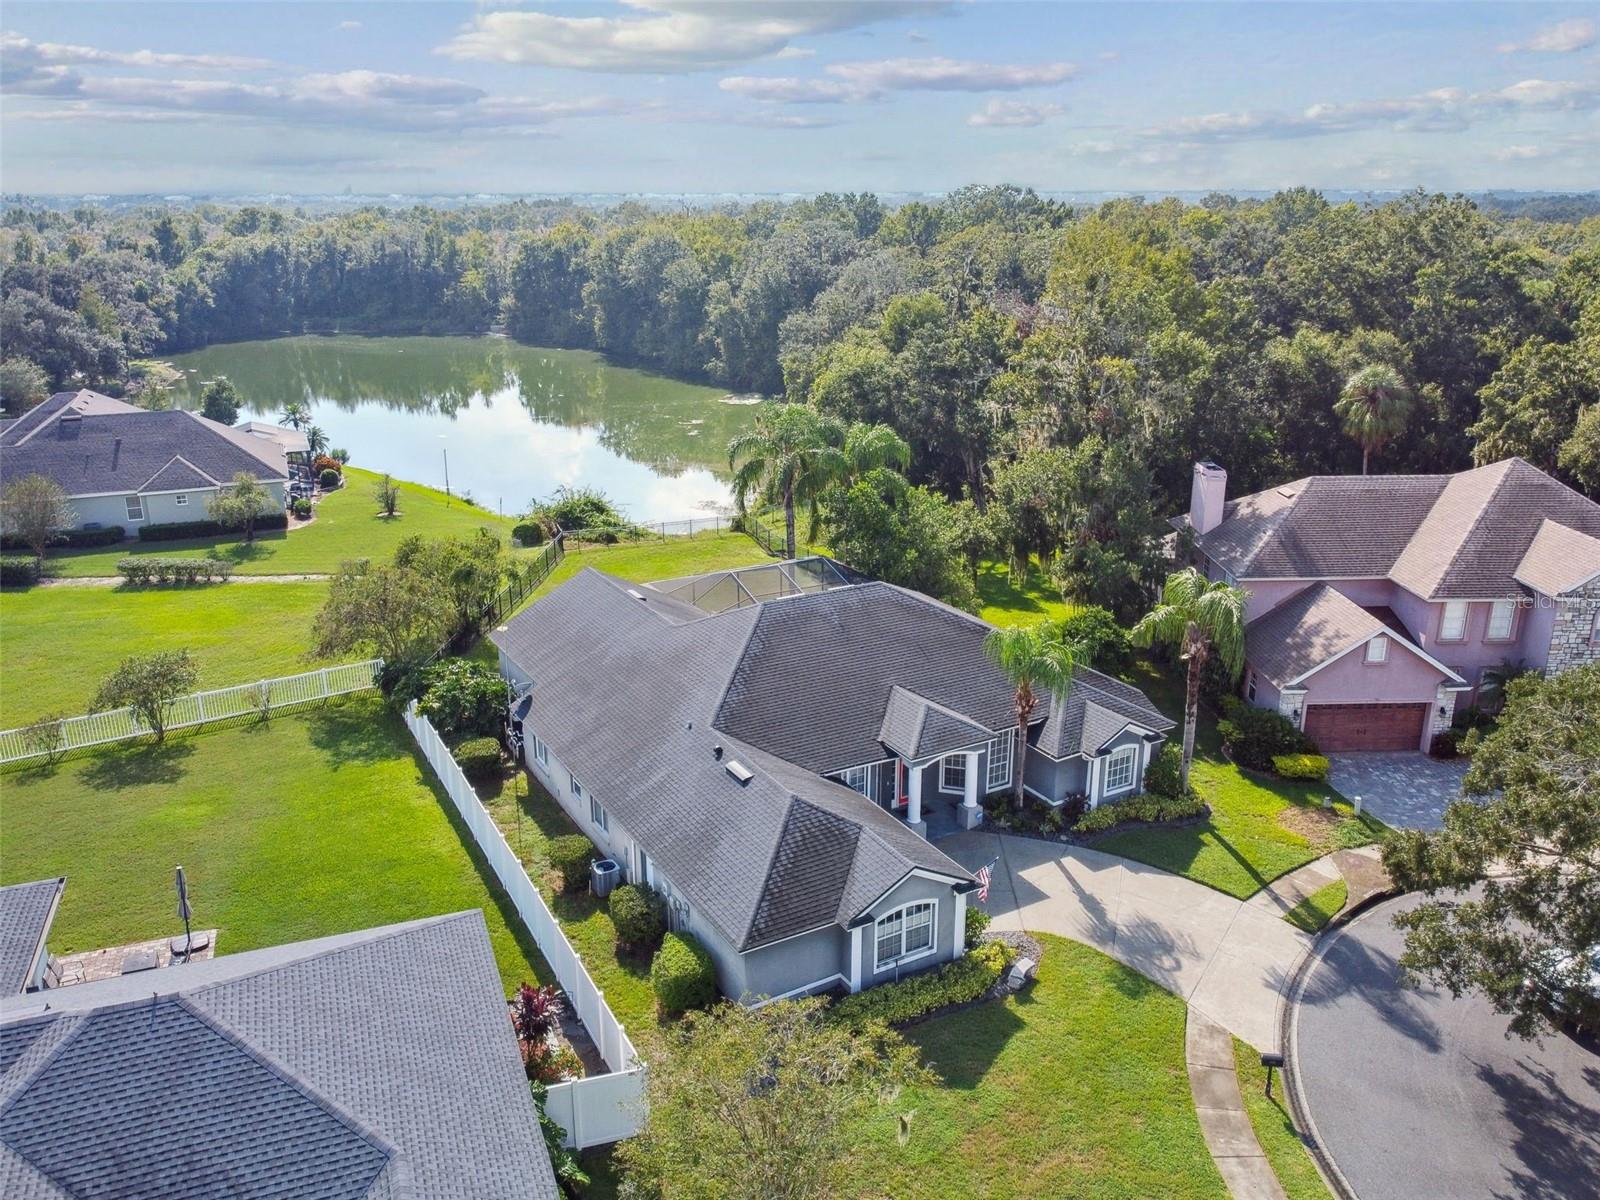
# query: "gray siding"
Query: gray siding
{"points": [[1053, 779], [811, 962], [160, 508], [948, 918]]}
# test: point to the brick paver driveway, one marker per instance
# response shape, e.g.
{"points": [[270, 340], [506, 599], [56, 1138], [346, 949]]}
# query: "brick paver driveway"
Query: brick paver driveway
{"points": [[1404, 790]]}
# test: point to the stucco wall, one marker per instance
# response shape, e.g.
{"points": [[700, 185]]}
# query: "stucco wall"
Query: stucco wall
{"points": [[1053, 779], [160, 508], [947, 943], [1404, 678], [102, 511], [813, 961]]}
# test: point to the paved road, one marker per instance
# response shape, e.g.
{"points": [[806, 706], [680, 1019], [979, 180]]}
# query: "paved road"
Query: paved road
{"points": [[1230, 959], [1415, 1095]]}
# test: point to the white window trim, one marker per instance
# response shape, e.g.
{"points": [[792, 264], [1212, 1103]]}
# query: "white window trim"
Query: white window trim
{"points": [[1509, 609], [1000, 752], [130, 503], [857, 779], [1465, 609], [1250, 688], [1130, 754], [180, 499], [598, 815], [1378, 650], [575, 787], [881, 964], [961, 788], [541, 752]]}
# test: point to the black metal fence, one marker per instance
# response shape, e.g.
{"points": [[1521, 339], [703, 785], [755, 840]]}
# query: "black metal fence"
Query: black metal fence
{"points": [[526, 576]]}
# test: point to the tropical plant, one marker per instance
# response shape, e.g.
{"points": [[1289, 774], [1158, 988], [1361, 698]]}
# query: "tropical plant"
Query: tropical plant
{"points": [[464, 698], [536, 1011], [149, 684], [238, 505], [317, 441], [387, 493], [1374, 407], [296, 413], [1495, 681], [1199, 619], [34, 510], [792, 457], [1034, 661]]}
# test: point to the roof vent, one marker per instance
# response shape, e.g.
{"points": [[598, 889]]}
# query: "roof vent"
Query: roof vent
{"points": [[716, 753], [739, 771], [637, 594]]}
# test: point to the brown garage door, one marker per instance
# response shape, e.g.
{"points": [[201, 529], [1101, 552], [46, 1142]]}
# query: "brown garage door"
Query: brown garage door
{"points": [[1366, 726]]}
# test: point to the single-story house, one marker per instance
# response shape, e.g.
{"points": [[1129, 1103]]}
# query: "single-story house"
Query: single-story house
{"points": [[127, 466], [26, 912], [365, 1065], [1376, 602], [768, 747]]}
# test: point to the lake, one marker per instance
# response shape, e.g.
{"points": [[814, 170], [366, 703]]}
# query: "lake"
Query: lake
{"points": [[511, 422]]}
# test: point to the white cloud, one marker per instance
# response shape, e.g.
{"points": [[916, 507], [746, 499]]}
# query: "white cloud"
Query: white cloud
{"points": [[853, 82], [795, 52], [668, 35], [1520, 153], [1564, 37], [20, 52], [789, 90], [1000, 114], [347, 25]]}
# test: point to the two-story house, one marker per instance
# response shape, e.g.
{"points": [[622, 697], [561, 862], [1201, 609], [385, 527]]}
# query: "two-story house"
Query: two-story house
{"points": [[769, 748], [1376, 603]]}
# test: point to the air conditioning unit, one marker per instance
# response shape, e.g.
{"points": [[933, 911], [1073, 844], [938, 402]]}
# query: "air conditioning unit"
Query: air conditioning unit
{"points": [[604, 874]]}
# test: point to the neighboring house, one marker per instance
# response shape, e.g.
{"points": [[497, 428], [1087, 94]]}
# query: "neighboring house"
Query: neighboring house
{"points": [[1377, 602], [767, 746], [26, 911], [294, 443], [371, 1064], [122, 465]]}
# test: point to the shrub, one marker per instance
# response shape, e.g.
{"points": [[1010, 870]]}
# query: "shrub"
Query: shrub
{"points": [[977, 923], [1161, 777], [958, 982], [302, 509], [1255, 736], [682, 975], [139, 569], [329, 480], [1301, 766], [326, 462], [638, 914], [74, 539], [536, 1011], [570, 856], [1106, 644], [1148, 807], [175, 531], [1447, 743], [528, 533], [18, 570], [479, 758], [464, 698]]}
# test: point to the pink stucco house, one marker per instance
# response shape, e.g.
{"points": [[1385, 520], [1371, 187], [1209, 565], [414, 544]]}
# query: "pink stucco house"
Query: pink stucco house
{"points": [[1376, 602]]}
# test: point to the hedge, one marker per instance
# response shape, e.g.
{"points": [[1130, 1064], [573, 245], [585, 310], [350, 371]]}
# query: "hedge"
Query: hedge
{"points": [[571, 855], [682, 975], [638, 914], [73, 539], [1301, 766], [1148, 807], [149, 569], [528, 533], [179, 530], [1163, 777], [958, 982], [479, 758], [1255, 736], [329, 479], [19, 570]]}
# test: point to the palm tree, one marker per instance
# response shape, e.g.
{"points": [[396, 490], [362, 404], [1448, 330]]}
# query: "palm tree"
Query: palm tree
{"points": [[1200, 619], [1375, 405], [295, 413], [316, 440], [1033, 662]]}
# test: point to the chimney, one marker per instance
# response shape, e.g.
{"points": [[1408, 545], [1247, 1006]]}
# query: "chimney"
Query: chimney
{"points": [[1206, 497]]}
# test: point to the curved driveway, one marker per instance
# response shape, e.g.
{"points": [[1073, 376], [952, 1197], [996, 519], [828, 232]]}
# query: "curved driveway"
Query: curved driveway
{"points": [[1415, 1095]]}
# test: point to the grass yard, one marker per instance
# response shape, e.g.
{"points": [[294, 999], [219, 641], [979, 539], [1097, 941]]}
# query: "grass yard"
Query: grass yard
{"points": [[529, 817], [1274, 1128], [313, 824], [1260, 827], [1006, 601], [1317, 909], [669, 558], [57, 644], [347, 525]]}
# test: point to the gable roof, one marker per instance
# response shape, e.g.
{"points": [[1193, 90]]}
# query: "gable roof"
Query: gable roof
{"points": [[286, 1071], [26, 910], [626, 691], [1559, 559], [91, 444], [1442, 537], [1314, 626], [1096, 709], [914, 727]]}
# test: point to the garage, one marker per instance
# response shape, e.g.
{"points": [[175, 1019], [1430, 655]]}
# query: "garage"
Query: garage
{"points": [[1337, 727]]}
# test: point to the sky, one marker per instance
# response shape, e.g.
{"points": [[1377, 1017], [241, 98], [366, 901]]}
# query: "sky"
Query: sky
{"points": [[706, 96]]}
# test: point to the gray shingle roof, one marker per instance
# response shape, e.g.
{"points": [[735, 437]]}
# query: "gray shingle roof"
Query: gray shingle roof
{"points": [[379, 1063], [625, 693], [914, 727], [26, 910], [1096, 709], [1312, 626], [91, 444], [1442, 537]]}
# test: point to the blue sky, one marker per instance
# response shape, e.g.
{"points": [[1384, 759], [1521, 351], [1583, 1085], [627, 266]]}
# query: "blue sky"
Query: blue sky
{"points": [[795, 95]]}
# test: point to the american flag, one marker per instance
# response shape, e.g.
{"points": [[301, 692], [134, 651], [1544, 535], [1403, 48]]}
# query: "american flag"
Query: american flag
{"points": [[985, 873]]}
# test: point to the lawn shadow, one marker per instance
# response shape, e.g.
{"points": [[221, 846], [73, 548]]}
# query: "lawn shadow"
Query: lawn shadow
{"points": [[136, 766], [361, 733], [961, 1047]]}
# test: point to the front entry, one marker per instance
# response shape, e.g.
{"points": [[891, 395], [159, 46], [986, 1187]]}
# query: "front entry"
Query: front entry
{"points": [[1336, 727]]}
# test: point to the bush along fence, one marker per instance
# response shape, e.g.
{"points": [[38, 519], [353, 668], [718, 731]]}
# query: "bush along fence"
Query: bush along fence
{"points": [[49, 739], [596, 1109], [525, 577]]}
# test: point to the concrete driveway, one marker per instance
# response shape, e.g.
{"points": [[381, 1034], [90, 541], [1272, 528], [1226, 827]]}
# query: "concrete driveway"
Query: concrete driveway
{"points": [[1414, 1094], [1404, 790], [1230, 959]]}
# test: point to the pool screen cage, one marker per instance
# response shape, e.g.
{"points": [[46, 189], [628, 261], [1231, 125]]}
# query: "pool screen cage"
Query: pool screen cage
{"points": [[745, 586]]}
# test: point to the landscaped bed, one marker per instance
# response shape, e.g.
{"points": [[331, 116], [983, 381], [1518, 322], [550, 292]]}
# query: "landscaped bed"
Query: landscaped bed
{"points": [[313, 824]]}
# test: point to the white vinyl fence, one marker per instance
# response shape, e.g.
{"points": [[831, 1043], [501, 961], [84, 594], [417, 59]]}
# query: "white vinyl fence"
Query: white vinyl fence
{"points": [[597, 1109], [200, 708]]}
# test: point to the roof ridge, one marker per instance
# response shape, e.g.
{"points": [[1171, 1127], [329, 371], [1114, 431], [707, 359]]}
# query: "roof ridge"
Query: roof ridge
{"points": [[794, 803]]}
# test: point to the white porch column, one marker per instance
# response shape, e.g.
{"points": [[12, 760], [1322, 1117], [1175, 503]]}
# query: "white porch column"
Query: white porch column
{"points": [[914, 774], [971, 815]]}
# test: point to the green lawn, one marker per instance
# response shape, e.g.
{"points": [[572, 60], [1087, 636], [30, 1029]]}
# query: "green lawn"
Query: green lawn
{"points": [[347, 525], [1260, 827], [1007, 601], [529, 818], [1317, 909], [1290, 1159], [314, 824], [669, 558], [56, 644]]}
